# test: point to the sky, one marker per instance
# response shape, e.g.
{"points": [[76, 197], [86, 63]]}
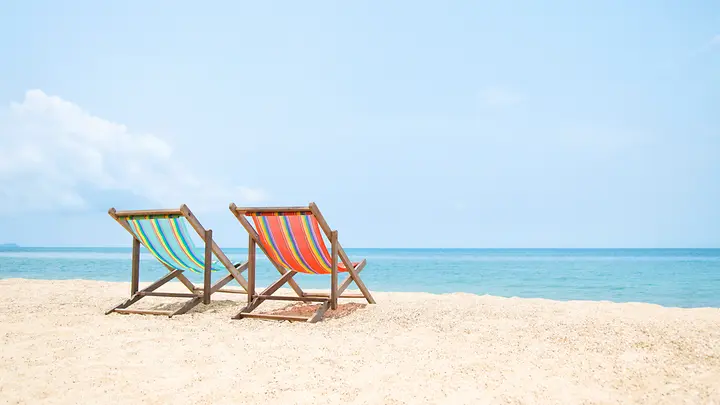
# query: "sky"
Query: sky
{"points": [[410, 123]]}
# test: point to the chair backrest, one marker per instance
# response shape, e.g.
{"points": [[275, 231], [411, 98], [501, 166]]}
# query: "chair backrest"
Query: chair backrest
{"points": [[166, 237], [293, 239]]}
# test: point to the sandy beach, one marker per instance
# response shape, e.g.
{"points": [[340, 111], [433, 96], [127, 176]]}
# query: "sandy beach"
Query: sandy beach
{"points": [[58, 347]]}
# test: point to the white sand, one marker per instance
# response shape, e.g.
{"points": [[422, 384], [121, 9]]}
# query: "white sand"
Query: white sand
{"points": [[58, 347]]}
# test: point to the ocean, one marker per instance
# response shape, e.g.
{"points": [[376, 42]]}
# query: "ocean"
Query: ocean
{"points": [[669, 277]]}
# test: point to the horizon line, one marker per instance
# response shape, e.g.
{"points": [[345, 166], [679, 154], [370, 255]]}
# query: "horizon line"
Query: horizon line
{"points": [[16, 246]]}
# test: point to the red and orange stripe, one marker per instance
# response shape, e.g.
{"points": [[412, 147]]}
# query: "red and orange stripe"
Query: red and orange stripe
{"points": [[293, 240]]}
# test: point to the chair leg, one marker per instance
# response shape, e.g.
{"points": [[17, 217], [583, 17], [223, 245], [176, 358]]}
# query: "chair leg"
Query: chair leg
{"points": [[334, 271], [318, 315], [246, 312], [122, 307], [251, 270], [349, 279], [207, 274], [256, 301], [135, 298], [353, 273], [341, 289]]}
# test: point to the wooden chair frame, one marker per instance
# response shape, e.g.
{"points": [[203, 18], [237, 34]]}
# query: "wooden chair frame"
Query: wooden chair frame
{"points": [[196, 294], [327, 300]]}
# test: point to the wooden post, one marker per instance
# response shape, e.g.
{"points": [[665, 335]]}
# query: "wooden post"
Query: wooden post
{"points": [[341, 252], [208, 266], [195, 224], [251, 269], [135, 278], [334, 270]]}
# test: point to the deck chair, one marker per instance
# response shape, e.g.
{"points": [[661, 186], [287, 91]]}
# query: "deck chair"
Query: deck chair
{"points": [[164, 234], [291, 239]]}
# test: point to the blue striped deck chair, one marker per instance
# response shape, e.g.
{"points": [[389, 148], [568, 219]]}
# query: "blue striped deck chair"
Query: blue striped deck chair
{"points": [[165, 235]]}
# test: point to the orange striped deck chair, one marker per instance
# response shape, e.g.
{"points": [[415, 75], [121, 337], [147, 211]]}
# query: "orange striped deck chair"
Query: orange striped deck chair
{"points": [[292, 239], [164, 234]]}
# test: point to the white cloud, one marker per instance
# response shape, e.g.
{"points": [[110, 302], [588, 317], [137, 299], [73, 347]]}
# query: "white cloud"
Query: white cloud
{"points": [[500, 97], [55, 155], [716, 40]]}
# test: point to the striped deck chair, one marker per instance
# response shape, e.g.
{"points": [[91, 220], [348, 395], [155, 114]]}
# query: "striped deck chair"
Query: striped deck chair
{"points": [[292, 240], [164, 234]]}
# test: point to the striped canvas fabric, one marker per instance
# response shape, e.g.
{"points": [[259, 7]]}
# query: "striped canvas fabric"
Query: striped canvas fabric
{"points": [[294, 240], [166, 237]]}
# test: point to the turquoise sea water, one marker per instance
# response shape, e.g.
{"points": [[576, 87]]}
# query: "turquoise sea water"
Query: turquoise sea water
{"points": [[670, 277]]}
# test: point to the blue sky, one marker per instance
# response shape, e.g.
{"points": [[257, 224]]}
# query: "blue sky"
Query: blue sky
{"points": [[411, 124]]}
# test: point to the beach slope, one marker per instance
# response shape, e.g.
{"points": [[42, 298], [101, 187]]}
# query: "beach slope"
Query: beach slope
{"points": [[411, 348]]}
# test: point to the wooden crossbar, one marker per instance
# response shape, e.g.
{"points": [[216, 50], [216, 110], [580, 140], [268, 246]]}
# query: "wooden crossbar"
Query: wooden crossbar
{"points": [[143, 312], [223, 290], [302, 299], [149, 213], [166, 294], [244, 210], [326, 295], [274, 317], [226, 291]]}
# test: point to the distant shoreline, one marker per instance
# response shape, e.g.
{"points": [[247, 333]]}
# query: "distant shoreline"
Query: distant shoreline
{"points": [[69, 248], [683, 278], [408, 293]]}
